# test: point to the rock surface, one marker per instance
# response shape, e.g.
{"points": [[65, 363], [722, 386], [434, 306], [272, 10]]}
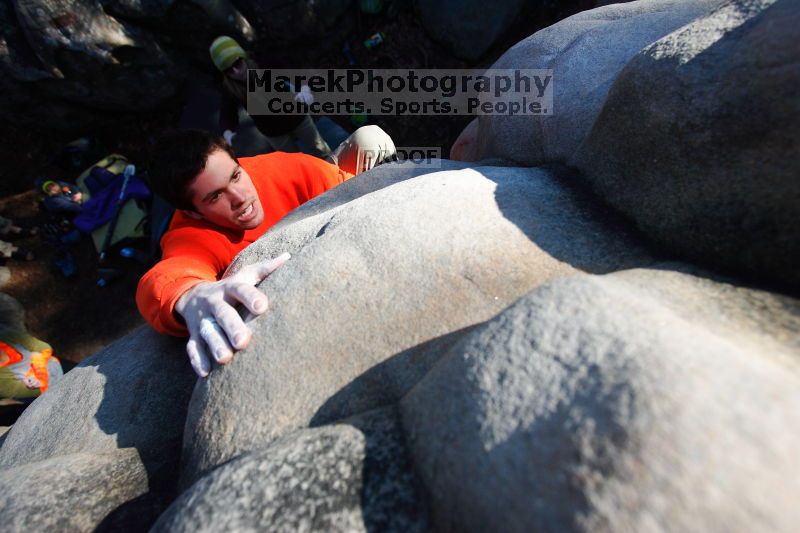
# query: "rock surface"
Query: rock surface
{"points": [[187, 23], [70, 492], [296, 23], [69, 59], [74, 64], [132, 396], [586, 52], [643, 400], [379, 278], [698, 140], [345, 477], [474, 347]]}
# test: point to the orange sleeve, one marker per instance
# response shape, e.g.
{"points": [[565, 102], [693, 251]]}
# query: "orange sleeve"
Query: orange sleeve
{"points": [[318, 175], [307, 176], [191, 256]]}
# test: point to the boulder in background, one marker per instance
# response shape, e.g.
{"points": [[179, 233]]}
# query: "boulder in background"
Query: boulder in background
{"points": [[699, 138], [640, 400], [586, 53]]}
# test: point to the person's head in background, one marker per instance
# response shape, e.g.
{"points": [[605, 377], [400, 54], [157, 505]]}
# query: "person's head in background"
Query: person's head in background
{"points": [[51, 188], [229, 57]]}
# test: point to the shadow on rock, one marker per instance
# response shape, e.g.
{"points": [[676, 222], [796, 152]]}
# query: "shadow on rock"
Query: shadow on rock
{"points": [[684, 160], [382, 384], [354, 475], [132, 395], [571, 223]]}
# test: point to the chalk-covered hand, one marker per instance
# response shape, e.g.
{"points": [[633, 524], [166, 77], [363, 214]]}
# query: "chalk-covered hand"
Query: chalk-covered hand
{"points": [[228, 135], [215, 328], [305, 96]]}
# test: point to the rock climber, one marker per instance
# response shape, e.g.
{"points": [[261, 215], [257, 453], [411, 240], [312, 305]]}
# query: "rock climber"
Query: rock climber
{"points": [[223, 204]]}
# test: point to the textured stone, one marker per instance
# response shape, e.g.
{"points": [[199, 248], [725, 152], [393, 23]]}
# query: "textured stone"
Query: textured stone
{"points": [[75, 64], [73, 492], [284, 23], [629, 399], [78, 54], [382, 276], [647, 400], [698, 140], [205, 19], [586, 52], [134, 393], [352, 476], [185, 28]]}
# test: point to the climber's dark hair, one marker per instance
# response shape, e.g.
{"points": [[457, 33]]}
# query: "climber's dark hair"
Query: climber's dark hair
{"points": [[177, 158]]}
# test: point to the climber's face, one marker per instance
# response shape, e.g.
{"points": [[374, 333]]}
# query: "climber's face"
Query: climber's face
{"points": [[224, 194]]}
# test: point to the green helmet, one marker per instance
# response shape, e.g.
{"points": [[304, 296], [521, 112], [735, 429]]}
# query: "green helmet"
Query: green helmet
{"points": [[224, 52]]}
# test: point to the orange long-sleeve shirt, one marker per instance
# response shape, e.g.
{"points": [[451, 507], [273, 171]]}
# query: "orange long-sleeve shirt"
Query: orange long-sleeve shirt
{"points": [[195, 250]]}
